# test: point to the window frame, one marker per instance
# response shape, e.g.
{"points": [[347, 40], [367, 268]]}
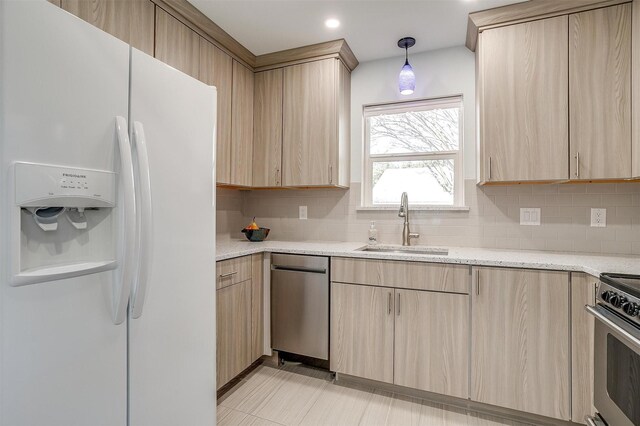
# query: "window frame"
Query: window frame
{"points": [[425, 104]]}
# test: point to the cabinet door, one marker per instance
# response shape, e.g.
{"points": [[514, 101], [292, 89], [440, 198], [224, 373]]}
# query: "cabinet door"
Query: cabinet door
{"points": [[233, 313], [362, 331], [267, 128], [600, 93], [340, 152], [130, 21], [309, 119], [583, 288], [524, 101], [432, 342], [176, 44], [241, 125], [216, 69], [635, 87], [257, 311], [520, 340]]}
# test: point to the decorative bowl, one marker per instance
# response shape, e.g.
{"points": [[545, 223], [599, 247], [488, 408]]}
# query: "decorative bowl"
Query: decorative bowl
{"points": [[256, 235]]}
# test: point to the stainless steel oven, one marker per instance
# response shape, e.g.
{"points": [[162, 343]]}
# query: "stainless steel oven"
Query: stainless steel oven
{"points": [[617, 350]]}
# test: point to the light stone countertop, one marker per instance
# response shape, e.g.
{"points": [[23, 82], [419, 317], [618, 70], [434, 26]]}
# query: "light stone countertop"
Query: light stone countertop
{"points": [[589, 263]]}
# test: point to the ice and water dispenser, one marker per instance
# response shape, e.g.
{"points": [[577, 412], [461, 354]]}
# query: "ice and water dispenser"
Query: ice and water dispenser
{"points": [[62, 222]]}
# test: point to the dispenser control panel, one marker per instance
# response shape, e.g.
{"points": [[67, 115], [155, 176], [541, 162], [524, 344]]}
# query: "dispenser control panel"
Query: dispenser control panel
{"points": [[39, 185]]}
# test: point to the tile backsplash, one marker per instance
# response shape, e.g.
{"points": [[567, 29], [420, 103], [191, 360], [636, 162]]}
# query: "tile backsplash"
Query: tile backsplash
{"points": [[229, 217], [493, 219]]}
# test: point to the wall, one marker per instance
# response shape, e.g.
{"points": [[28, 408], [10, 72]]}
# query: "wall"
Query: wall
{"points": [[491, 222], [443, 72], [493, 217], [229, 217]]}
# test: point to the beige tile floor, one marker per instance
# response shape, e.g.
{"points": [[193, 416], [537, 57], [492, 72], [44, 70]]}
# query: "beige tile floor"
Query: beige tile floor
{"points": [[297, 395]]}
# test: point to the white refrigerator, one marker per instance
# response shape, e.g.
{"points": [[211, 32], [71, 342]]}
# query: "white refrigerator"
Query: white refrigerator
{"points": [[107, 229]]}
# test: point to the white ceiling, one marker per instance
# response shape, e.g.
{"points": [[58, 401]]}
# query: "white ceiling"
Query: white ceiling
{"points": [[371, 27]]}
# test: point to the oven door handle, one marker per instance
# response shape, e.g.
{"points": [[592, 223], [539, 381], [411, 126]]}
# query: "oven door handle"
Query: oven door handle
{"points": [[593, 421], [608, 319]]}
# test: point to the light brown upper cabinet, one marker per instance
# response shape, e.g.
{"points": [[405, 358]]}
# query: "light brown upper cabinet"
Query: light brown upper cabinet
{"points": [[520, 351], [523, 101], [600, 93], [130, 21], [267, 128], [315, 122], [177, 44], [216, 69], [241, 125], [635, 87]]}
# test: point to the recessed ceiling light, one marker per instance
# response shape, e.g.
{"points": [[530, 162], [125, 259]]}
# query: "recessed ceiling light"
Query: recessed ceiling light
{"points": [[332, 23]]}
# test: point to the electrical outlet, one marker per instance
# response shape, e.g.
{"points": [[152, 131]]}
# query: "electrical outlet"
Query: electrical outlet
{"points": [[530, 216], [302, 212], [599, 218]]}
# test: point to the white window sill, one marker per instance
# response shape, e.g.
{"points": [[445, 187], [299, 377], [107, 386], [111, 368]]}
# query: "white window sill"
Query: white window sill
{"points": [[416, 209]]}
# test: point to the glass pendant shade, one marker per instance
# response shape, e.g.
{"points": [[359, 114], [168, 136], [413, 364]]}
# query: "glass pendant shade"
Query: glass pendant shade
{"points": [[406, 79]]}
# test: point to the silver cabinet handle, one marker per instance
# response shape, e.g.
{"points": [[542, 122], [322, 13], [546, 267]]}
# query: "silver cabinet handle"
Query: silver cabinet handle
{"points": [[478, 282], [489, 168], [228, 274], [389, 303], [330, 173], [578, 165], [398, 304]]}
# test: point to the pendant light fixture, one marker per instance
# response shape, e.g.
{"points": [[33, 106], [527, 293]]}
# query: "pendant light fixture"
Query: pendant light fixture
{"points": [[406, 79]]}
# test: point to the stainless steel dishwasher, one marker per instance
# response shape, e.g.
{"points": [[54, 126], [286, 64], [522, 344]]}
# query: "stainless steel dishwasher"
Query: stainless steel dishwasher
{"points": [[300, 305]]}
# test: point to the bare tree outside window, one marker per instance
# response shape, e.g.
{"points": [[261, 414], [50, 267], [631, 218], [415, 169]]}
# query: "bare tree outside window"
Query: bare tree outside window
{"points": [[414, 148], [415, 132]]}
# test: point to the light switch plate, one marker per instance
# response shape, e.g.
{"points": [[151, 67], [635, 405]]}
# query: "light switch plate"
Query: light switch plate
{"points": [[302, 212], [530, 216], [599, 218]]}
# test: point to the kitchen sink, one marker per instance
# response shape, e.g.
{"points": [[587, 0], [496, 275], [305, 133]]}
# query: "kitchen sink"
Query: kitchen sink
{"points": [[406, 250]]}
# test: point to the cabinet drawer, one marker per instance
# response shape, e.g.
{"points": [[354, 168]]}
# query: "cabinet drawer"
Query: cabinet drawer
{"points": [[393, 273], [233, 271]]}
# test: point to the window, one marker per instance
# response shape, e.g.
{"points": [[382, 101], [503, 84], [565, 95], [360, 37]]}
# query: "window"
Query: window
{"points": [[413, 147]]}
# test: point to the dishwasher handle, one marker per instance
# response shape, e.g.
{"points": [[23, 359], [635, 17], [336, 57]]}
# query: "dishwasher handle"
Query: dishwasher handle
{"points": [[298, 269]]}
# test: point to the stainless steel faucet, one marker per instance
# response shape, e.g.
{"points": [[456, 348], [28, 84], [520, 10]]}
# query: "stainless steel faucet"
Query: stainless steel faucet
{"points": [[404, 212]]}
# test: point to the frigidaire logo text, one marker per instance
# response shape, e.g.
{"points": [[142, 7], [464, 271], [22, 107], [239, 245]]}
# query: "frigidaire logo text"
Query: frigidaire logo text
{"points": [[73, 175]]}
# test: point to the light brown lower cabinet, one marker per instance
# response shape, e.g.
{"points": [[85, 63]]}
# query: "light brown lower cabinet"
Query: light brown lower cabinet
{"points": [[239, 316], [583, 292], [257, 311], [524, 334], [362, 331], [233, 307], [520, 340], [432, 342], [428, 349]]}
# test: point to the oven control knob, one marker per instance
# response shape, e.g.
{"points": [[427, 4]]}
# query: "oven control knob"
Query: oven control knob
{"points": [[606, 295], [631, 308], [617, 300]]}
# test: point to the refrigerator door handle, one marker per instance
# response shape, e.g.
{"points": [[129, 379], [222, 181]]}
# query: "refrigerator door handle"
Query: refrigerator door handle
{"points": [[145, 228], [121, 292]]}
